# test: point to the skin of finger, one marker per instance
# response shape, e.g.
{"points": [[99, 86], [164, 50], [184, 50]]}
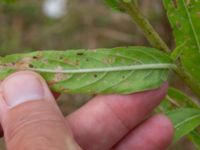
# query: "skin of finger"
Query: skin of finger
{"points": [[154, 134], [36, 124], [103, 121]]}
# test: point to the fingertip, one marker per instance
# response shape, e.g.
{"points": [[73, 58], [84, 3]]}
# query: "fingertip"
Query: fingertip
{"points": [[155, 133], [164, 123]]}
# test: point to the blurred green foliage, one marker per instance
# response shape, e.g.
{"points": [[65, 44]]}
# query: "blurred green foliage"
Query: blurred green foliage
{"points": [[7, 1], [24, 26]]}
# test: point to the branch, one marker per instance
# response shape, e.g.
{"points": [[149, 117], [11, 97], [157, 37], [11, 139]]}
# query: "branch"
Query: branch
{"points": [[131, 7], [152, 36]]}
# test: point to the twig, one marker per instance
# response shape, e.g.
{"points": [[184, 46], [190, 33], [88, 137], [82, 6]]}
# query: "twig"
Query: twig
{"points": [[154, 39]]}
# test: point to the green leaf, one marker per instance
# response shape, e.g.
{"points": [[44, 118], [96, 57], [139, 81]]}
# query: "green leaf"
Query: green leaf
{"points": [[185, 120], [194, 136], [184, 16], [117, 4], [114, 4], [7, 1], [127, 1], [121, 70], [176, 99]]}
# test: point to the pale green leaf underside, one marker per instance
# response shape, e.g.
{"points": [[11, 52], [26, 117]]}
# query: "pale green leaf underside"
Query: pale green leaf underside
{"points": [[119, 70], [184, 16], [185, 120]]}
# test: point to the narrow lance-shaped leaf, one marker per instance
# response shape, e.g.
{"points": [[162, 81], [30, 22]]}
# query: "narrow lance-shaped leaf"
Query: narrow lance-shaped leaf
{"points": [[185, 120], [194, 136], [119, 70], [116, 4], [184, 16], [176, 99]]}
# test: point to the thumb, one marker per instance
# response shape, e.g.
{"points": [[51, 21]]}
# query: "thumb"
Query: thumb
{"points": [[30, 117]]}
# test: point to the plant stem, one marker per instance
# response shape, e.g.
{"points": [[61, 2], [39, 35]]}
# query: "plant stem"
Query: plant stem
{"points": [[193, 85], [155, 40]]}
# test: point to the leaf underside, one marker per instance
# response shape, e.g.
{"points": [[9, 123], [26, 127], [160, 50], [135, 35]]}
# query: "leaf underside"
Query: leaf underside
{"points": [[118, 81], [184, 16]]}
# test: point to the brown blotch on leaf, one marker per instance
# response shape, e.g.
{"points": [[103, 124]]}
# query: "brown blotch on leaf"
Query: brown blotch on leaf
{"points": [[23, 63], [31, 66], [174, 2], [188, 2], [178, 24], [77, 62], [59, 77]]}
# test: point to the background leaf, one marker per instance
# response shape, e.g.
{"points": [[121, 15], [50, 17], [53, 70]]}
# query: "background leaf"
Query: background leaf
{"points": [[194, 136], [184, 17], [115, 4], [185, 120], [109, 81], [7, 1], [176, 99]]}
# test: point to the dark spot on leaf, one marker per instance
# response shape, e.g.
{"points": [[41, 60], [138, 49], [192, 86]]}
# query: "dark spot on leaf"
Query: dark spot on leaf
{"points": [[95, 75], [123, 77], [174, 2], [30, 66], [35, 57], [149, 33], [61, 57], [80, 53], [87, 59]]}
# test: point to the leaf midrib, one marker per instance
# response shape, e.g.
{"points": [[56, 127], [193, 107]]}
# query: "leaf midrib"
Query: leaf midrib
{"points": [[187, 120], [107, 69]]}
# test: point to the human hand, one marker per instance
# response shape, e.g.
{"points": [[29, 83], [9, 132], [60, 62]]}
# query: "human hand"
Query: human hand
{"points": [[31, 119]]}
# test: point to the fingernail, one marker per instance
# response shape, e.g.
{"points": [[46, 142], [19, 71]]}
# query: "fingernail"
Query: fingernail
{"points": [[20, 88]]}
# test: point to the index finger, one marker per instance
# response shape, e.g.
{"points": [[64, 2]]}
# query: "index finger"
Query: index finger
{"points": [[103, 121]]}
